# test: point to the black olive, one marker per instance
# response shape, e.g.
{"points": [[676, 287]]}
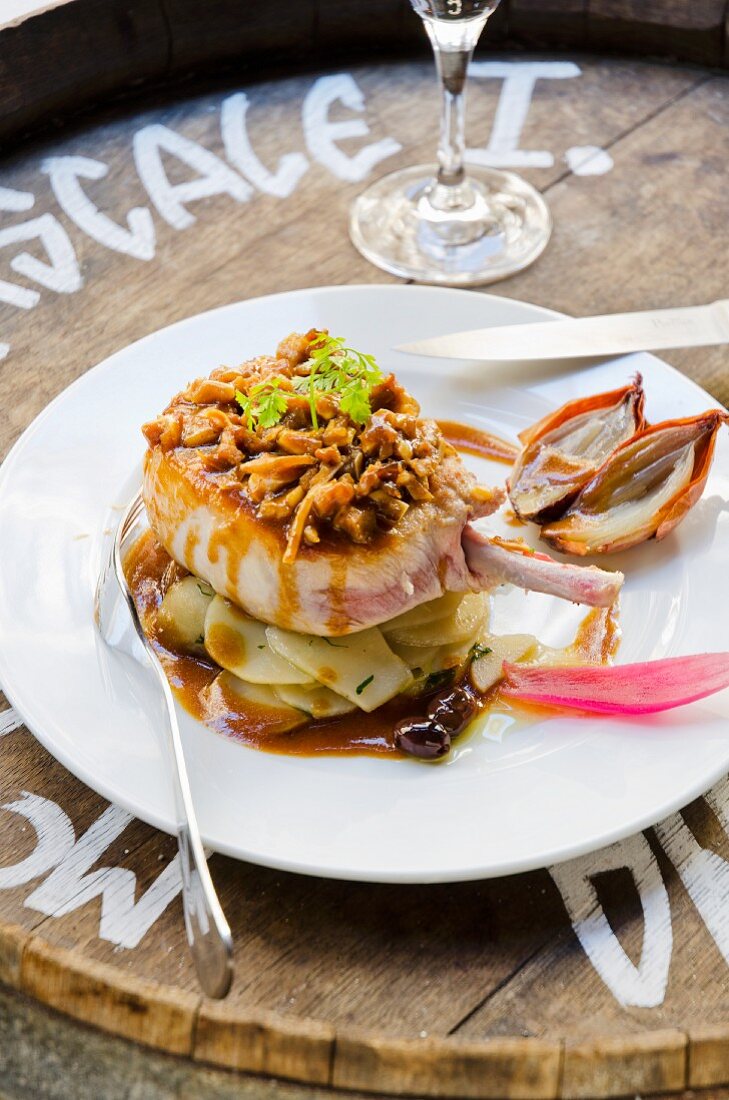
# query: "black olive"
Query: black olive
{"points": [[452, 709], [422, 737]]}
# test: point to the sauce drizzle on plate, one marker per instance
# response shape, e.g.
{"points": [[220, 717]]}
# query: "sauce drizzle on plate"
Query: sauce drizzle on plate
{"points": [[477, 441], [196, 683]]}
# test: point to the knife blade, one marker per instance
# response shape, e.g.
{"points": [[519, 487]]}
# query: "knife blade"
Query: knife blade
{"points": [[609, 334]]}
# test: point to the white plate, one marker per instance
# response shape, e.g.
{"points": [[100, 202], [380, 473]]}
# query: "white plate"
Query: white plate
{"points": [[545, 792]]}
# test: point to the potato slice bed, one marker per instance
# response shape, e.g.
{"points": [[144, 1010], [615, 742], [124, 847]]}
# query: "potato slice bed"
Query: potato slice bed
{"points": [[181, 615], [315, 699], [239, 644], [360, 666], [425, 658], [429, 612], [274, 713], [465, 622], [293, 675], [486, 670]]}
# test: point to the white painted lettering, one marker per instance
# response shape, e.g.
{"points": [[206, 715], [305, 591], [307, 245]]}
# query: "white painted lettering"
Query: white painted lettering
{"points": [[55, 839], [137, 240], [62, 274], [643, 985], [322, 134], [9, 720], [588, 160], [72, 884], [15, 202], [519, 78], [704, 873], [18, 296], [240, 153], [214, 177]]}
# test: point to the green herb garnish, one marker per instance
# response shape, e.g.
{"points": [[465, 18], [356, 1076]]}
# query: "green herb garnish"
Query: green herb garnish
{"points": [[334, 645], [336, 368], [333, 368], [246, 408], [271, 402], [439, 679], [479, 650], [365, 683], [265, 405], [204, 588]]}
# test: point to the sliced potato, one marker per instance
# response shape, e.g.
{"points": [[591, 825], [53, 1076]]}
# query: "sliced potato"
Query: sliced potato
{"points": [[486, 670], [181, 615], [466, 621], [416, 656], [238, 643], [429, 612], [315, 699], [360, 666], [453, 656], [267, 711]]}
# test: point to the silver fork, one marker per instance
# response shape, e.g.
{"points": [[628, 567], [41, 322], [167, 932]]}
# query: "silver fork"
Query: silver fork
{"points": [[208, 932]]}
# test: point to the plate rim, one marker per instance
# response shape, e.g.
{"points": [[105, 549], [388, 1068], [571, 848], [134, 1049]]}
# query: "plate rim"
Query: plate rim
{"points": [[494, 869]]}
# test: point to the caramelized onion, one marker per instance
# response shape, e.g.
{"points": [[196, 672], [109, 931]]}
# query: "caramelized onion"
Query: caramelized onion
{"points": [[563, 450], [643, 490]]}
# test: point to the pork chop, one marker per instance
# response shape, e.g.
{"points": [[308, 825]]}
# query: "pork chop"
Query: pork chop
{"points": [[307, 489]]}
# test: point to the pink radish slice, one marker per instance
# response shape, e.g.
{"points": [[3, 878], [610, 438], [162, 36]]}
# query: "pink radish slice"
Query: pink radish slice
{"points": [[644, 688]]}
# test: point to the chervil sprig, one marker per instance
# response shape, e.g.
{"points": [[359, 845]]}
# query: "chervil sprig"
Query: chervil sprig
{"points": [[266, 404], [272, 403], [336, 368], [246, 406]]}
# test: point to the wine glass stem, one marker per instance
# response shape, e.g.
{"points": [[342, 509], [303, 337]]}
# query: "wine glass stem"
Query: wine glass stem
{"points": [[453, 53], [452, 69]]}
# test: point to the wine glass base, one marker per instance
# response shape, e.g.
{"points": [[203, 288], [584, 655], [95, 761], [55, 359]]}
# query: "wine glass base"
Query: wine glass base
{"points": [[510, 227]]}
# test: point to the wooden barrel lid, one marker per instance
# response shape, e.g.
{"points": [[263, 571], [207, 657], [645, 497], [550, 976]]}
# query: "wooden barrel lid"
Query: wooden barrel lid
{"points": [[602, 977], [121, 46]]}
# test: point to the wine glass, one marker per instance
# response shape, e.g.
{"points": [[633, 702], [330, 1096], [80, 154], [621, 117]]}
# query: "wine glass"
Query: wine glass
{"points": [[446, 225]]}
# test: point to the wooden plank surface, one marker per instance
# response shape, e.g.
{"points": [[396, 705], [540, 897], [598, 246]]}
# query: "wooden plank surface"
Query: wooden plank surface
{"points": [[118, 46], [420, 990], [692, 32]]}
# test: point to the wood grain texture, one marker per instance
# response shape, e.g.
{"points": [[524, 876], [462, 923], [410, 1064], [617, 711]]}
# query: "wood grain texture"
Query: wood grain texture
{"points": [[708, 1056], [118, 45], [227, 32], [649, 233], [552, 22], [113, 44], [691, 32], [270, 1044], [499, 1069], [13, 941], [102, 995], [477, 989], [638, 1064]]}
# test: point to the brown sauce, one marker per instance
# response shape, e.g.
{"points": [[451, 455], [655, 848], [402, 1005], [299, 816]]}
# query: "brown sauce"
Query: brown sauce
{"points": [[510, 517], [475, 441], [598, 636], [150, 572]]}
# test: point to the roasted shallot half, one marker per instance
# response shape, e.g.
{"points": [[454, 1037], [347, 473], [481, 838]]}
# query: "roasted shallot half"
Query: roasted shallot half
{"points": [[643, 490], [564, 449]]}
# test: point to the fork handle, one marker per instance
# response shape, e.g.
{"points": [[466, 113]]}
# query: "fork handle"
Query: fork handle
{"points": [[208, 932]]}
